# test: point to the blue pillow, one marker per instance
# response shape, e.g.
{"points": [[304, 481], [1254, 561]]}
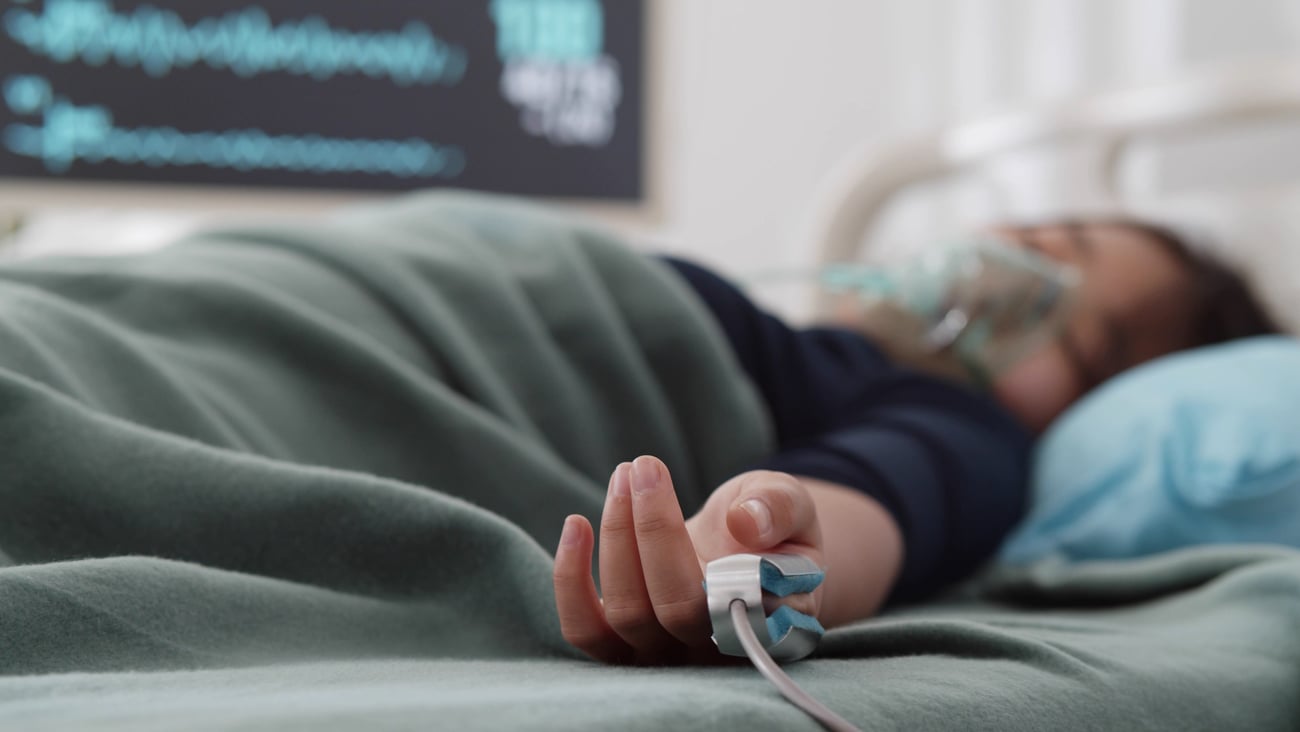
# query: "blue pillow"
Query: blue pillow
{"points": [[1199, 447]]}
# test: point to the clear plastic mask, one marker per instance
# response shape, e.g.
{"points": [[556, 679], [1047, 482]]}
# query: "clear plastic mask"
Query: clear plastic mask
{"points": [[983, 302]]}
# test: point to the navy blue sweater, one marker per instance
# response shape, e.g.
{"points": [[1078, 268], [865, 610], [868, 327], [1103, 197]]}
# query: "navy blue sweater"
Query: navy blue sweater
{"points": [[949, 464]]}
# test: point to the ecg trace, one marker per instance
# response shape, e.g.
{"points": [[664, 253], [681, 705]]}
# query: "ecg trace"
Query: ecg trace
{"points": [[244, 42], [70, 133]]}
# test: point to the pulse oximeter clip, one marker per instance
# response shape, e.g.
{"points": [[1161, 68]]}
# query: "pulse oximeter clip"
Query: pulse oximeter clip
{"points": [[735, 587], [787, 635]]}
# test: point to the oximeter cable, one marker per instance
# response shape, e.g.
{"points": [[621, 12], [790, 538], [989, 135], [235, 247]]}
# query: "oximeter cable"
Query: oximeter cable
{"points": [[780, 679], [735, 586]]}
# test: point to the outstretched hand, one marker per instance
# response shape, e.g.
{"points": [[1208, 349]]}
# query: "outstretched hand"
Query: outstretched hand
{"points": [[655, 609]]}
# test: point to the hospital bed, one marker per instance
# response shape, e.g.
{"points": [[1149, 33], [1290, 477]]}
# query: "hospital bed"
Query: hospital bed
{"points": [[1253, 220], [1197, 638]]}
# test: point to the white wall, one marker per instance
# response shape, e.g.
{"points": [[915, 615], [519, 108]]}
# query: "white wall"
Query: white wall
{"points": [[758, 101]]}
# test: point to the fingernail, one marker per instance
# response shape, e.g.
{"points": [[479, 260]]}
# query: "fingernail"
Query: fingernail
{"points": [[645, 476], [569, 534], [618, 487], [761, 514]]}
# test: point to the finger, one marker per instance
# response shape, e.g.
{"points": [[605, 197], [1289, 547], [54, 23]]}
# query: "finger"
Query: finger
{"points": [[582, 619], [772, 508], [668, 559], [627, 603]]}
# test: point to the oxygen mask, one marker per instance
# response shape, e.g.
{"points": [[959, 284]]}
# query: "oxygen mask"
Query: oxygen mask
{"points": [[982, 304]]}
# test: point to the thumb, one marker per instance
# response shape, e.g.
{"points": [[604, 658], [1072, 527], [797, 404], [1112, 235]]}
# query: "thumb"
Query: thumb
{"points": [[772, 508]]}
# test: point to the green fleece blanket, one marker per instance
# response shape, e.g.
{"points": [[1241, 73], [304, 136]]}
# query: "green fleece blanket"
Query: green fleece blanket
{"points": [[307, 477]]}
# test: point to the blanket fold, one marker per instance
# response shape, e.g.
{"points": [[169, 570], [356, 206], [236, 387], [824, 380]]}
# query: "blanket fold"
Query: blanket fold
{"points": [[398, 405]]}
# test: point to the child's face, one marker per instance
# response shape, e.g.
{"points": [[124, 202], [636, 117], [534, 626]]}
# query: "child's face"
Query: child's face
{"points": [[1135, 303]]}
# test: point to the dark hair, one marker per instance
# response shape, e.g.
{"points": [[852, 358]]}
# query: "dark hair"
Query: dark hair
{"points": [[1226, 308]]}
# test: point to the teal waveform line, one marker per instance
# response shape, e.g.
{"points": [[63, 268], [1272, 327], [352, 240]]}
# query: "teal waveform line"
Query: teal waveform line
{"points": [[71, 133], [244, 42]]}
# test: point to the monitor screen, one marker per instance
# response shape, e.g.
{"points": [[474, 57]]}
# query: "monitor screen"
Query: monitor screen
{"points": [[535, 97]]}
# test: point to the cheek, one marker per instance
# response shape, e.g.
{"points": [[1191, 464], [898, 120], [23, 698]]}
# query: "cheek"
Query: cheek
{"points": [[1038, 388]]}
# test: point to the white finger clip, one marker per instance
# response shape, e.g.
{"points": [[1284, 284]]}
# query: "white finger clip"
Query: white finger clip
{"points": [[787, 634], [735, 587]]}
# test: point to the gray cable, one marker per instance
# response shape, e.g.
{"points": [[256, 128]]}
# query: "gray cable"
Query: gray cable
{"points": [[783, 683]]}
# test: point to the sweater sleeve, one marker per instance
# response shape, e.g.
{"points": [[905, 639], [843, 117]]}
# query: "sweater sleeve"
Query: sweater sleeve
{"points": [[949, 464]]}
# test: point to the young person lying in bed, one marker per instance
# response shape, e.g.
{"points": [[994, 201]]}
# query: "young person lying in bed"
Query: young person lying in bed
{"points": [[897, 482]]}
